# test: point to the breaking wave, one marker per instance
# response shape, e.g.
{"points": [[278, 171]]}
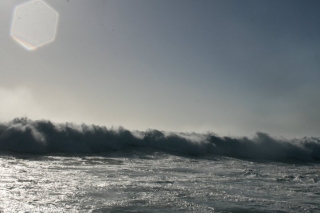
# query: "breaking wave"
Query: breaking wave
{"points": [[26, 136]]}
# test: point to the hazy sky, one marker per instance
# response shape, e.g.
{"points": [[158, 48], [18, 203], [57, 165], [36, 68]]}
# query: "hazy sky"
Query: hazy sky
{"points": [[231, 67]]}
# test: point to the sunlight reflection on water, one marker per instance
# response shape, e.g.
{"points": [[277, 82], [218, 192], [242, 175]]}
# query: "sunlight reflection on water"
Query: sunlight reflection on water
{"points": [[154, 182]]}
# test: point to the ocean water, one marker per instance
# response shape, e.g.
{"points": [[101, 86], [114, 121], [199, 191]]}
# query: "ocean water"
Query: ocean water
{"points": [[47, 167]]}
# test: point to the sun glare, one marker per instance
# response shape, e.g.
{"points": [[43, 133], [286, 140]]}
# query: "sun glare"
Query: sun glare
{"points": [[34, 24]]}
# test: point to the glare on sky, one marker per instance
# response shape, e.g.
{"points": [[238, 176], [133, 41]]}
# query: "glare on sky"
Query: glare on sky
{"points": [[34, 24]]}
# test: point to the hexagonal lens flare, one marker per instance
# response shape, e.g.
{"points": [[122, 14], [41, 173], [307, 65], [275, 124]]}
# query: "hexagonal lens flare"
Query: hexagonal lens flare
{"points": [[34, 24]]}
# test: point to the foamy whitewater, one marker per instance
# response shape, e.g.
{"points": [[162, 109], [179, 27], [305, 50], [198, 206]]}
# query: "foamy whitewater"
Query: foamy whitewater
{"points": [[47, 167]]}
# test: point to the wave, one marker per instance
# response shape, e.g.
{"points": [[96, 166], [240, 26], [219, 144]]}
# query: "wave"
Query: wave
{"points": [[43, 137]]}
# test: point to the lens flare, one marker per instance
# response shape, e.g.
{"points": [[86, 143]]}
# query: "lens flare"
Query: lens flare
{"points": [[34, 24]]}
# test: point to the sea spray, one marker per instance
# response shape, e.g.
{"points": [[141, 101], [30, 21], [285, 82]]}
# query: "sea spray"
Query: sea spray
{"points": [[43, 137]]}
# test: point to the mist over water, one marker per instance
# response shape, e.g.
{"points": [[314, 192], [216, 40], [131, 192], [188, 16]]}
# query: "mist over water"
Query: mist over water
{"points": [[44, 137]]}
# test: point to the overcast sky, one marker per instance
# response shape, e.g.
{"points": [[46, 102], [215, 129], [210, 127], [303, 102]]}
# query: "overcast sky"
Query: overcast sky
{"points": [[230, 67]]}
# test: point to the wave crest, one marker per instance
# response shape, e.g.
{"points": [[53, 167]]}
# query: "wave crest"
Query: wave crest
{"points": [[27, 136]]}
